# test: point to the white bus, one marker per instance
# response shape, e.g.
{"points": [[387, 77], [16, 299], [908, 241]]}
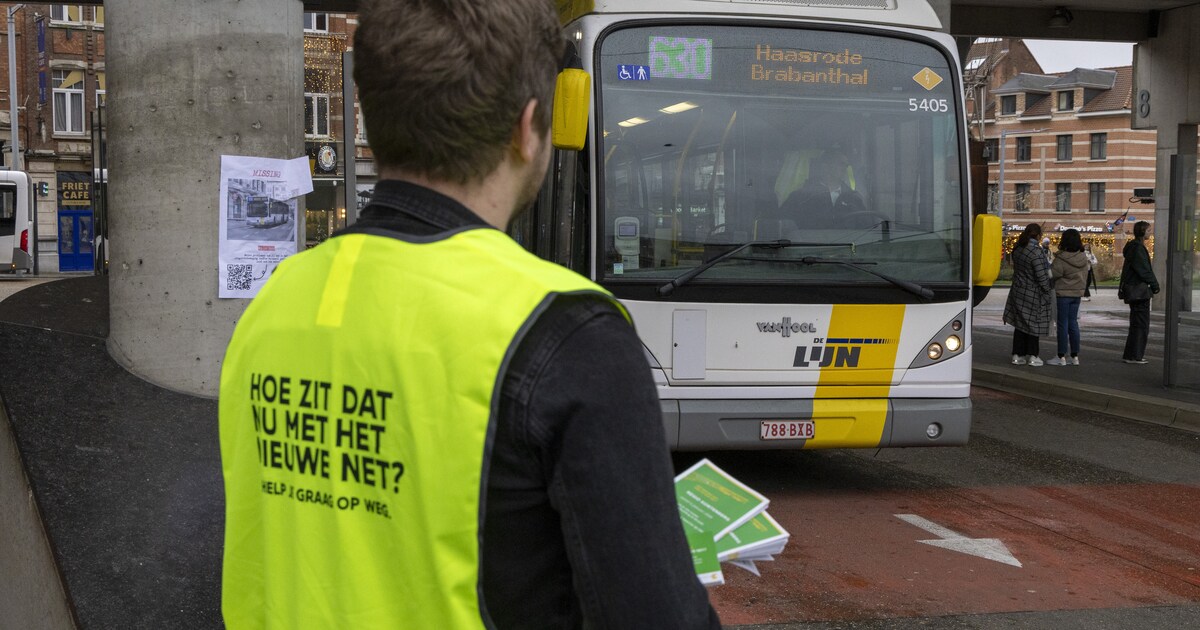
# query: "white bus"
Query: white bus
{"points": [[16, 218], [777, 192]]}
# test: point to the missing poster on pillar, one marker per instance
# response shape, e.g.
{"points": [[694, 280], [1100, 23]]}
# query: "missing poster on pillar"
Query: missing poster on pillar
{"points": [[258, 219]]}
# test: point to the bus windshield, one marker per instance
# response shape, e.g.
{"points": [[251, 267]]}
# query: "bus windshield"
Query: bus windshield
{"points": [[256, 208], [844, 145]]}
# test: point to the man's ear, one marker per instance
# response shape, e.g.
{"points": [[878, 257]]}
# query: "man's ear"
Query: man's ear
{"points": [[527, 141]]}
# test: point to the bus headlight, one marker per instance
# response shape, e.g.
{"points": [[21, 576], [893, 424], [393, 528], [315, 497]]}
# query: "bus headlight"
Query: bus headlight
{"points": [[946, 343], [933, 430]]}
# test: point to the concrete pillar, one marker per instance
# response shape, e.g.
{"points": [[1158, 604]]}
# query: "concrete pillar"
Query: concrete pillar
{"points": [[1166, 97], [1180, 224], [942, 8], [189, 81]]}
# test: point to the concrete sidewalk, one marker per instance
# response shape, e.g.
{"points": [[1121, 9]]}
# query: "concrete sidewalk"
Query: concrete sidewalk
{"points": [[1102, 382], [112, 486]]}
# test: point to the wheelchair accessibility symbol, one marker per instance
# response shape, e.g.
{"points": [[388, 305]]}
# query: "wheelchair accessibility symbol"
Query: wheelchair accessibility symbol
{"points": [[633, 73]]}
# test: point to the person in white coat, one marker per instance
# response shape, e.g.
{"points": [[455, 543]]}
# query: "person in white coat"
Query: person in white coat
{"points": [[1069, 272]]}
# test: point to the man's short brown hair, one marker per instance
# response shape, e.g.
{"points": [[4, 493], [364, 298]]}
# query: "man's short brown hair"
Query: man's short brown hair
{"points": [[443, 82]]}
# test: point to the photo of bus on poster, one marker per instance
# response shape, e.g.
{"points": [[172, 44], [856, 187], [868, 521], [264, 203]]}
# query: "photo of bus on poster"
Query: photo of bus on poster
{"points": [[258, 219]]}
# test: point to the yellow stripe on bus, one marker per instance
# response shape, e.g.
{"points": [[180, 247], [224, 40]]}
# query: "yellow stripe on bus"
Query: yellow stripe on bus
{"points": [[853, 423], [851, 402], [876, 329]]}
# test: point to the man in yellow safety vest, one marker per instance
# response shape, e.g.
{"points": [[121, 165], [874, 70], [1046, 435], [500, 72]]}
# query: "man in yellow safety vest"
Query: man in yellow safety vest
{"points": [[423, 425]]}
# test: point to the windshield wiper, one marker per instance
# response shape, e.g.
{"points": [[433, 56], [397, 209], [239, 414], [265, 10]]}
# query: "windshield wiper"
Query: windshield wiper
{"points": [[911, 287], [686, 276]]}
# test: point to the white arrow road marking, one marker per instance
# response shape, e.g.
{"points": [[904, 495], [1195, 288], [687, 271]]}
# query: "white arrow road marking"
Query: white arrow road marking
{"points": [[987, 548]]}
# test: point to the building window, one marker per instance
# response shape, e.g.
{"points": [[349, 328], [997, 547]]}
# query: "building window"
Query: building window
{"points": [[1008, 104], [1099, 146], [316, 22], [991, 149], [1024, 149], [973, 63], [993, 198], [1096, 197], [1066, 101], [1064, 148], [101, 89], [68, 101], [1021, 200], [98, 20], [316, 115], [71, 13], [1062, 197]]}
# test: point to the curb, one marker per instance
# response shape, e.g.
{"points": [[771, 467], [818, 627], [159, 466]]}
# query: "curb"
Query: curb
{"points": [[1178, 415]]}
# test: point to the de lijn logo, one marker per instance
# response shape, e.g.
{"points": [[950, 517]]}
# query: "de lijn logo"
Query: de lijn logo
{"points": [[839, 352], [786, 327]]}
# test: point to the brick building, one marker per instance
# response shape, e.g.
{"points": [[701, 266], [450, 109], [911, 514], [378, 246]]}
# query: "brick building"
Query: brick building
{"points": [[326, 37], [1071, 159], [990, 63], [60, 83]]}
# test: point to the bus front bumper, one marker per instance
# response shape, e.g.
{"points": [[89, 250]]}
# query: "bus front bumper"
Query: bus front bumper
{"points": [[699, 425]]}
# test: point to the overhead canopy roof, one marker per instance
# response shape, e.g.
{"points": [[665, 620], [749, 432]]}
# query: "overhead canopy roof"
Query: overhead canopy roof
{"points": [[1103, 20], [1045, 83]]}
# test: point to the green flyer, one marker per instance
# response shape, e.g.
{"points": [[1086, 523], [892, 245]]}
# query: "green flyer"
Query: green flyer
{"points": [[710, 500], [761, 536], [704, 557]]}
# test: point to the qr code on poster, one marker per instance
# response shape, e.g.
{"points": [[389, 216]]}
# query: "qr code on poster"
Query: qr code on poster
{"points": [[238, 277]]}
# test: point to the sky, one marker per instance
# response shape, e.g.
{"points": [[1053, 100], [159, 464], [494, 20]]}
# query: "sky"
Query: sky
{"points": [[1064, 56]]}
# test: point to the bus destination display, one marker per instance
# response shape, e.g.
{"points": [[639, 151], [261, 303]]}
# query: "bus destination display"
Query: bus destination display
{"points": [[808, 66]]}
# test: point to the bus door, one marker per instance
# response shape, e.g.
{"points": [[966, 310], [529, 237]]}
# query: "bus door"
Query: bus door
{"points": [[75, 236]]}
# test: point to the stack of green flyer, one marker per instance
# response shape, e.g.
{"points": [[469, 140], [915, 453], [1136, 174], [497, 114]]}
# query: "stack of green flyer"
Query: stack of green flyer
{"points": [[725, 521]]}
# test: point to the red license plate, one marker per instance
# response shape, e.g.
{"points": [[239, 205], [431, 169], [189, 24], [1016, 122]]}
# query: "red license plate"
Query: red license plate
{"points": [[786, 430]]}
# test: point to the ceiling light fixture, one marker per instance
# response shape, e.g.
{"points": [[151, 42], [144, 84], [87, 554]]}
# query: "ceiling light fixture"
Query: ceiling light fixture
{"points": [[679, 107], [1061, 19]]}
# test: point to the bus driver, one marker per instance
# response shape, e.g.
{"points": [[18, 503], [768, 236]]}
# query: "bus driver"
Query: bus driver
{"points": [[826, 197]]}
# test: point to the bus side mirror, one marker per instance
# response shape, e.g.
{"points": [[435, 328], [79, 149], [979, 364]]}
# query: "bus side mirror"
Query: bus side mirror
{"points": [[986, 242], [572, 95]]}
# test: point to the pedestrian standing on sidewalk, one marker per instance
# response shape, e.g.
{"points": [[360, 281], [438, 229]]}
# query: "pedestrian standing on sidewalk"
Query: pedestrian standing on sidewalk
{"points": [[1091, 278], [1027, 309], [1069, 274], [1137, 285]]}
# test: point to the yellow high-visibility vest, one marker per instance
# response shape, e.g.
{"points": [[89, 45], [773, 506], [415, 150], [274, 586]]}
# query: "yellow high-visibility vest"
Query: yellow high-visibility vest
{"points": [[357, 399]]}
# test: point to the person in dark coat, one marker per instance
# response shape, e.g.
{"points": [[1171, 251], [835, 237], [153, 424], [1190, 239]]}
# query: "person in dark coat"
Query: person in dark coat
{"points": [[1137, 269], [1027, 309]]}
